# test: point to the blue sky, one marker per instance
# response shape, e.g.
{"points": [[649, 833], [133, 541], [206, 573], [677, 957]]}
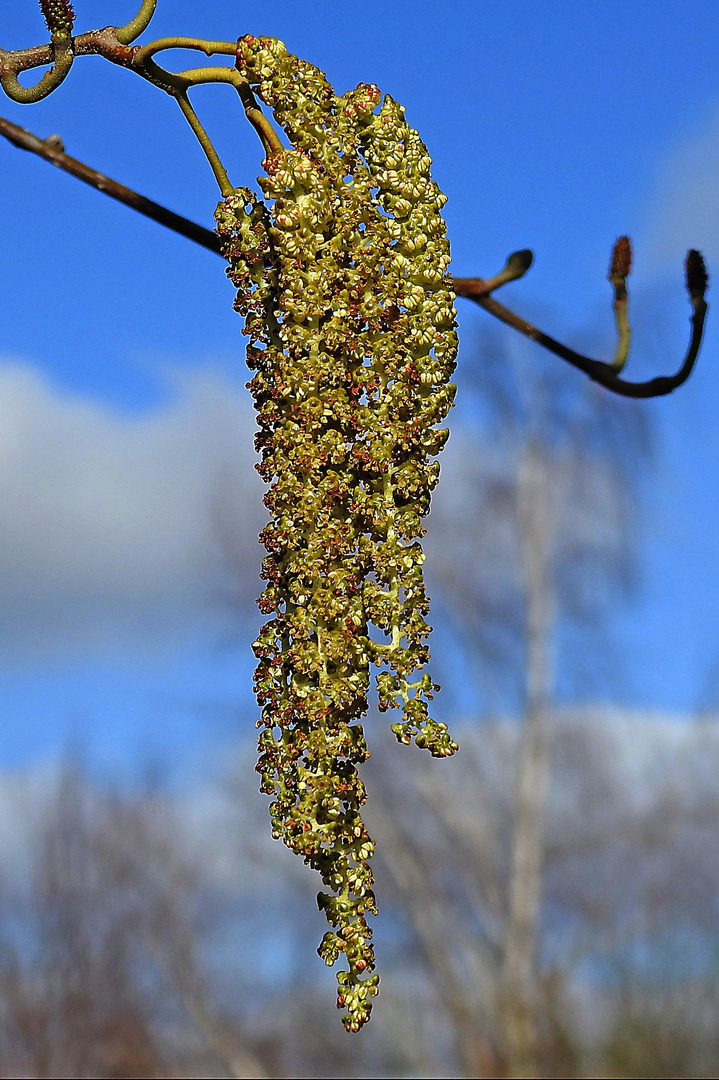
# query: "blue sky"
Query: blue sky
{"points": [[125, 430]]}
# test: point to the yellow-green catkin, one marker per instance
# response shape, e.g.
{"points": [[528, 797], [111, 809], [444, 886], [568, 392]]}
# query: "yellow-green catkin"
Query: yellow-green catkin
{"points": [[341, 275]]}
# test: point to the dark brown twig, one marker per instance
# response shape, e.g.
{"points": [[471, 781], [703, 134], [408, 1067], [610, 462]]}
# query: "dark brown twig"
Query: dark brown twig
{"points": [[51, 150], [600, 372]]}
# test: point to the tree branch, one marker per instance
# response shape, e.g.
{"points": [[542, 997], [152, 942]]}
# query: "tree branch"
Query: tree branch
{"points": [[476, 289], [114, 45], [597, 370], [52, 150]]}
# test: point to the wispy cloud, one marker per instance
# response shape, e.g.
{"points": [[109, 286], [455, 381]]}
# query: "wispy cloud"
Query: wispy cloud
{"points": [[682, 211], [111, 529]]}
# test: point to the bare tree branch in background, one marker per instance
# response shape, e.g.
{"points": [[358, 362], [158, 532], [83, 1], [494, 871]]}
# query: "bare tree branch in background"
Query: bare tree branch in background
{"points": [[549, 486], [106, 963]]}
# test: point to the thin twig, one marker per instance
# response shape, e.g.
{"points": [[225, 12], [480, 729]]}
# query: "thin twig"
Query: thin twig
{"points": [[476, 289], [597, 370], [51, 150], [127, 34], [113, 44]]}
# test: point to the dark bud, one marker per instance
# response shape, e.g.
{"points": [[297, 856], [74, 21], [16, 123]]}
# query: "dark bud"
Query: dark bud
{"points": [[697, 277], [621, 263], [520, 261]]}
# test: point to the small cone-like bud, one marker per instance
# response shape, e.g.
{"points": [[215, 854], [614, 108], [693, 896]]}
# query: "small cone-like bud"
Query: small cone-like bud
{"points": [[697, 277], [59, 17], [520, 261], [621, 264]]}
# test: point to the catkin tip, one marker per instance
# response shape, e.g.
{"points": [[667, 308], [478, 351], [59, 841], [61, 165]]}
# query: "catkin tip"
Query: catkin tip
{"points": [[621, 263]]}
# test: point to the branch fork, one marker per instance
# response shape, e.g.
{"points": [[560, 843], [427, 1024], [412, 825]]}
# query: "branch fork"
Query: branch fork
{"points": [[606, 374]]}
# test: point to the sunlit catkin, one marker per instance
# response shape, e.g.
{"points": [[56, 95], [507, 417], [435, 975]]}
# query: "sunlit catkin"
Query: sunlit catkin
{"points": [[341, 276]]}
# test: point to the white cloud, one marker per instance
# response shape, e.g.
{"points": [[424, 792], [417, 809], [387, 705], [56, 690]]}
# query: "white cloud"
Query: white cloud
{"points": [[682, 211], [110, 533]]}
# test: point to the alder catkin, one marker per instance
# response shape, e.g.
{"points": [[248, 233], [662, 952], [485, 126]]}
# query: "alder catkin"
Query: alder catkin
{"points": [[59, 18], [341, 276]]}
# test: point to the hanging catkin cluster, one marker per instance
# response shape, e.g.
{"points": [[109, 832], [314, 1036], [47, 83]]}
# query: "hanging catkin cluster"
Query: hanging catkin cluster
{"points": [[342, 280]]}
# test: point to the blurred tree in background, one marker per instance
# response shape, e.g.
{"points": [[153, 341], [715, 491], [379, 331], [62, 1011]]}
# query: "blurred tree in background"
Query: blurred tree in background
{"points": [[550, 900]]}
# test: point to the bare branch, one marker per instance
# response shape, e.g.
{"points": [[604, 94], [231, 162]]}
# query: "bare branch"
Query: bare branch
{"points": [[52, 150], [476, 289], [600, 372], [114, 45]]}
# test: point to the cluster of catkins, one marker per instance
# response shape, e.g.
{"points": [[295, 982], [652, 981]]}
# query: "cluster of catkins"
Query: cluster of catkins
{"points": [[342, 279]]}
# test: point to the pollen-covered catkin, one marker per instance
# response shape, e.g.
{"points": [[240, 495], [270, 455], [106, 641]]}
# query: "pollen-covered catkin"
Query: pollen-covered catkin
{"points": [[341, 276]]}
